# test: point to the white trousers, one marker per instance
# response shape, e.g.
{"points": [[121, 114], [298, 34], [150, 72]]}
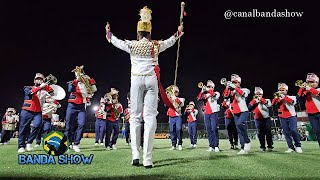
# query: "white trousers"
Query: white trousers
{"points": [[144, 98]]}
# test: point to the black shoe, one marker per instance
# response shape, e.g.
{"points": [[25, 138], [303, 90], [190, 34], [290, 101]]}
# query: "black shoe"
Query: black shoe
{"points": [[148, 167], [232, 147], [135, 162]]}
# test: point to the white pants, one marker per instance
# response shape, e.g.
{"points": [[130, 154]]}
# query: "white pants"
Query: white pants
{"points": [[144, 98]]}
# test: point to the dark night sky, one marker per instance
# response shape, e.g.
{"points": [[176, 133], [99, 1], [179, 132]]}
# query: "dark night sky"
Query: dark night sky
{"points": [[54, 37]]}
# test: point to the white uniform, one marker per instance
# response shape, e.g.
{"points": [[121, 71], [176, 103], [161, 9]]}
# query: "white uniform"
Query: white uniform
{"points": [[144, 91]]}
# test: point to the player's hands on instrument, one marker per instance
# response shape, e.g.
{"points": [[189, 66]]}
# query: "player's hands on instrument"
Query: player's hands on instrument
{"points": [[307, 88], [231, 85], [42, 85]]}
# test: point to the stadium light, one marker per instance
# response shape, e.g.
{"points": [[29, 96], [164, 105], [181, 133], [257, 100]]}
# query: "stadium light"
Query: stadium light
{"points": [[95, 108]]}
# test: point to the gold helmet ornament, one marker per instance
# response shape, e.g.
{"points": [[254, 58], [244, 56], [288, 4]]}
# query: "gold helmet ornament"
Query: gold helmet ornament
{"points": [[145, 20]]}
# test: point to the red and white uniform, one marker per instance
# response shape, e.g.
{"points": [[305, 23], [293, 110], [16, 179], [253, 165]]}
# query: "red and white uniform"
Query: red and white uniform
{"points": [[210, 97], [9, 122], [239, 104], [127, 115], [192, 114], [286, 106], [101, 113], [227, 113], [112, 115], [178, 103], [261, 110], [312, 99], [35, 97], [79, 94]]}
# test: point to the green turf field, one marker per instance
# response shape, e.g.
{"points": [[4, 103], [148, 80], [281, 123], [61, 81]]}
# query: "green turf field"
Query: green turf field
{"points": [[187, 164]]}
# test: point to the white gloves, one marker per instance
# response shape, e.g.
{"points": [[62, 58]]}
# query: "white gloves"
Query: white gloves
{"points": [[231, 85], [43, 85], [308, 88]]}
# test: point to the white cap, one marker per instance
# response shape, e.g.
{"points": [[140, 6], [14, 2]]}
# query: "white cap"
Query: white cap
{"points": [[39, 75], [282, 85], [192, 103], [210, 83], [12, 110], [312, 77], [258, 90], [235, 77]]}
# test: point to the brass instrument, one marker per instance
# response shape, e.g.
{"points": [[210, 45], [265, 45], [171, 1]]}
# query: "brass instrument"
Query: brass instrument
{"points": [[49, 108], [224, 82], [170, 91], [58, 92], [84, 79], [50, 79], [276, 94], [256, 97], [113, 99], [300, 83], [200, 85]]}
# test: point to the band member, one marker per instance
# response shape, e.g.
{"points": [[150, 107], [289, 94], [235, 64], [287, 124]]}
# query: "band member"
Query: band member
{"points": [[55, 121], [9, 122], [100, 125], [191, 113], [211, 109], [34, 98], [81, 90], [287, 116], [310, 92], [175, 120], [49, 107], [144, 86], [114, 110], [126, 120], [259, 106], [229, 121], [239, 110]]}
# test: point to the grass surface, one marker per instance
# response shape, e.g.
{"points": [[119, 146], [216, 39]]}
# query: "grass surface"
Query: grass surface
{"points": [[187, 164]]}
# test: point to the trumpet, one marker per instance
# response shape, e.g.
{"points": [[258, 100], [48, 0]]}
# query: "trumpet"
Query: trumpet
{"points": [[276, 94], [224, 82], [200, 85], [256, 97], [300, 84]]}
